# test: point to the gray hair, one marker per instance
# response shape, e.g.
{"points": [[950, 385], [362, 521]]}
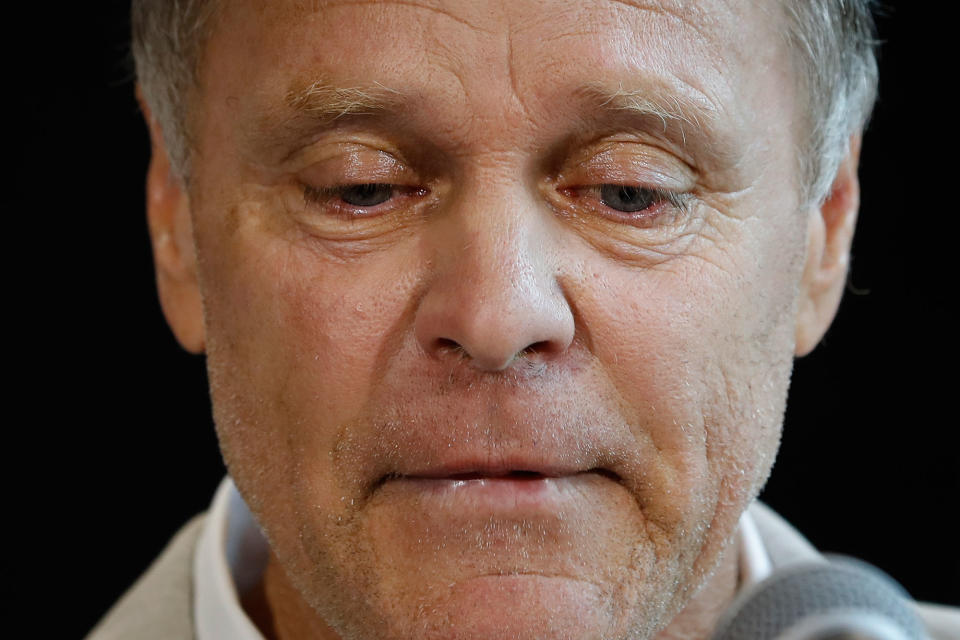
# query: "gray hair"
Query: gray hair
{"points": [[833, 43], [168, 41]]}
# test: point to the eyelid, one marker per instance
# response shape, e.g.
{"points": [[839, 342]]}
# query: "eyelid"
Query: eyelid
{"points": [[628, 162], [354, 164], [677, 199], [663, 202]]}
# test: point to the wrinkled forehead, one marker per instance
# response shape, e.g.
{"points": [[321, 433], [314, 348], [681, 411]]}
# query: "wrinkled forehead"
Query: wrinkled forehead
{"points": [[501, 60]]}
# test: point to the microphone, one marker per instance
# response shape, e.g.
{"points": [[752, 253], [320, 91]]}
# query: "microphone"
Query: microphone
{"points": [[844, 599]]}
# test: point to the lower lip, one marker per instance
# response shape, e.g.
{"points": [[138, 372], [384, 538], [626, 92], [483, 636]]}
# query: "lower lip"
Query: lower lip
{"points": [[495, 493]]}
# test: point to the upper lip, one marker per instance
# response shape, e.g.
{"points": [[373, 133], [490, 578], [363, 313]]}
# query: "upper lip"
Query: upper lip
{"points": [[447, 440]]}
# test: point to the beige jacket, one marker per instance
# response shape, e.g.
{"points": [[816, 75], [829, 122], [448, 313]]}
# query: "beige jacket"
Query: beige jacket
{"points": [[159, 606]]}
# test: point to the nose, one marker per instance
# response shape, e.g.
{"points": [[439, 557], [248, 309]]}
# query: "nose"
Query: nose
{"points": [[494, 294]]}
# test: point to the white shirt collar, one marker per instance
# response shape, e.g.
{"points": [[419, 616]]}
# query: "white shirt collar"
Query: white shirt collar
{"points": [[232, 554], [755, 563]]}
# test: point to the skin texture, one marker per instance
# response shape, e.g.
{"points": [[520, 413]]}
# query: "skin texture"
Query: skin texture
{"points": [[494, 314]]}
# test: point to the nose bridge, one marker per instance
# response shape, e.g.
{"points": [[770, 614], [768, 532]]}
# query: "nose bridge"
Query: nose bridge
{"points": [[494, 293]]}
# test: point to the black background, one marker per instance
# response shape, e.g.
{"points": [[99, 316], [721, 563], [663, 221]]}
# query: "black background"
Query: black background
{"points": [[110, 443]]}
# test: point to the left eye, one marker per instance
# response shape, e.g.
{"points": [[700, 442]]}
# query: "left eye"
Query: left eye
{"points": [[366, 195], [626, 198]]}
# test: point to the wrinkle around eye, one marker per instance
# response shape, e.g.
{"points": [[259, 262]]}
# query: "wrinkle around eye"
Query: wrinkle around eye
{"points": [[645, 256], [320, 213], [638, 246]]}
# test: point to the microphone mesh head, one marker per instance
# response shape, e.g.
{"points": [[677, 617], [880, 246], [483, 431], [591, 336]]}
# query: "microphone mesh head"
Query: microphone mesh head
{"points": [[794, 596]]}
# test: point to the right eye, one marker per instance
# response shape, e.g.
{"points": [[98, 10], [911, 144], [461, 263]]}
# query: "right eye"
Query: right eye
{"points": [[357, 200]]}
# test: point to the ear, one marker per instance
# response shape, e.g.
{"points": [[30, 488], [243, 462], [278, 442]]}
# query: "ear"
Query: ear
{"points": [[171, 235], [829, 234]]}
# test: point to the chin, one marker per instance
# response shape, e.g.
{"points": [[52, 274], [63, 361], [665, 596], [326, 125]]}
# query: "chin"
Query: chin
{"points": [[498, 607], [517, 606]]}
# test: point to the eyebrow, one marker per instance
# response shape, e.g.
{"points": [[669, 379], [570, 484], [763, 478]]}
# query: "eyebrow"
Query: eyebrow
{"points": [[324, 103], [315, 105], [691, 121], [671, 108], [688, 120]]}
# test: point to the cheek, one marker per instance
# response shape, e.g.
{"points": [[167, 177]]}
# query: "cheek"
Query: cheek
{"points": [[700, 352], [296, 341]]}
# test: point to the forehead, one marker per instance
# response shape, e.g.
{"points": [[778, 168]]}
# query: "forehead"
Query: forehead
{"points": [[505, 62]]}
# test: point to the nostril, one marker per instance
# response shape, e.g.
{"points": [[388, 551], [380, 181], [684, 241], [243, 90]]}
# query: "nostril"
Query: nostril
{"points": [[535, 355], [531, 359], [535, 348], [448, 345]]}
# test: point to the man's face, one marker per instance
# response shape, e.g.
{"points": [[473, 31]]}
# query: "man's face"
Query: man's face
{"points": [[499, 300]]}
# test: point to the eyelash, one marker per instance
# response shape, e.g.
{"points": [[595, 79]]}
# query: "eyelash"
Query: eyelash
{"points": [[664, 206], [656, 195], [334, 197]]}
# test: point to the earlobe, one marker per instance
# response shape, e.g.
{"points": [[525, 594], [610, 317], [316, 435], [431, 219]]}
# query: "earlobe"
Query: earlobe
{"points": [[830, 230], [171, 236]]}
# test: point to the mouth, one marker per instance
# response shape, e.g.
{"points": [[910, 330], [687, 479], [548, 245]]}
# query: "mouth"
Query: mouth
{"points": [[486, 489], [467, 472], [517, 474]]}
